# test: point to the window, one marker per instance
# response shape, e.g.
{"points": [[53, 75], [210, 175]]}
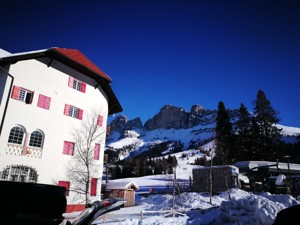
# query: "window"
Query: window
{"points": [[19, 173], [22, 94], [68, 148], [44, 102], [76, 84], [100, 120], [36, 139], [16, 135], [73, 111], [96, 151], [65, 184], [93, 187]]}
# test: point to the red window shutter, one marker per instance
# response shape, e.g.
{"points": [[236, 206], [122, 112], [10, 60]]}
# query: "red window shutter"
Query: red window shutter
{"points": [[44, 102], [70, 83], [71, 148], [65, 184], [66, 147], [66, 110], [15, 92], [47, 103], [80, 114], [41, 101], [83, 87], [100, 120], [93, 187], [96, 151]]}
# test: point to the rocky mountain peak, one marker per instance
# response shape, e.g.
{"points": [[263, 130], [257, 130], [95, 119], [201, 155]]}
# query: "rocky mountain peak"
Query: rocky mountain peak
{"points": [[168, 117], [197, 110], [118, 123], [121, 123]]}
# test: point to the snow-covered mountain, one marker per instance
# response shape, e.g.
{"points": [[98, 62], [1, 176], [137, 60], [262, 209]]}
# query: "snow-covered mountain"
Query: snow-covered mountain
{"points": [[172, 130]]}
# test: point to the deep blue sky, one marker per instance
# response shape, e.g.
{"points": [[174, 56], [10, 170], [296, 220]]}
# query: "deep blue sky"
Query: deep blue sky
{"points": [[173, 52]]}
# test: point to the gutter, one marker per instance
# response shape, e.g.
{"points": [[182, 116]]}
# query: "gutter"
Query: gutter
{"points": [[7, 100]]}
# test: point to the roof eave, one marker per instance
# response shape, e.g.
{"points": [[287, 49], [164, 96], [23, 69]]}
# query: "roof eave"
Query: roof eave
{"points": [[13, 58], [113, 103]]}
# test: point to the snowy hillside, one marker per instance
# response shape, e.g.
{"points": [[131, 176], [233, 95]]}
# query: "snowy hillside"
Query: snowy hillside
{"points": [[141, 140], [183, 172]]}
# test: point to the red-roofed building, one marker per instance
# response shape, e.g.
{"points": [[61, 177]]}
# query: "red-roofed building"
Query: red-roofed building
{"points": [[44, 96]]}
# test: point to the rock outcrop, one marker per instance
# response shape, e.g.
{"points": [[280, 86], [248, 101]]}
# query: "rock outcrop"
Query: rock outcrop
{"points": [[199, 115], [167, 118], [121, 123]]}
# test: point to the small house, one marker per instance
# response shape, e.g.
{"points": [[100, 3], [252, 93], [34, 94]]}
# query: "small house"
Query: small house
{"points": [[124, 190]]}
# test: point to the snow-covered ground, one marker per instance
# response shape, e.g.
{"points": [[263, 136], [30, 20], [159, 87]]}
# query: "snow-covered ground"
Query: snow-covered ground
{"points": [[190, 208], [232, 207]]}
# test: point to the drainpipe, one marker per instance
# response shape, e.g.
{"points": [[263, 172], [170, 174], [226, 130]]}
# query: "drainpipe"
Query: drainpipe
{"points": [[7, 100]]}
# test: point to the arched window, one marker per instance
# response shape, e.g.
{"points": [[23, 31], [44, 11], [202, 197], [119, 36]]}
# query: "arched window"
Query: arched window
{"points": [[16, 135], [19, 173], [36, 139]]}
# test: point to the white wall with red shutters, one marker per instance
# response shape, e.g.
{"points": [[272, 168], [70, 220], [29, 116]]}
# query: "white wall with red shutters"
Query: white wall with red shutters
{"points": [[37, 77]]}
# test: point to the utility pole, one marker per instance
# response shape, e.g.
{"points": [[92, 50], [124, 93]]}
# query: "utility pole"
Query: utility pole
{"points": [[210, 182], [277, 165], [173, 211], [288, 163], [106, 167], [174, 190], [290, 177]]}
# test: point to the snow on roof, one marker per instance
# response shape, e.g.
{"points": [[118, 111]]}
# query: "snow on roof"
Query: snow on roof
{"points": [[4, 53], [272, 166], [215, 167], [117, 185], [23, 53], [254, 164]]}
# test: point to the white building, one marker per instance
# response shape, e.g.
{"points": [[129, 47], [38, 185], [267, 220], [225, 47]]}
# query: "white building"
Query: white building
{"points": [[44, 96]]}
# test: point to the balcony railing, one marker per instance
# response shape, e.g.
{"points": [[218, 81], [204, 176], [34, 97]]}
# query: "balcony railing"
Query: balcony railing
{"points": [[19, 150]]}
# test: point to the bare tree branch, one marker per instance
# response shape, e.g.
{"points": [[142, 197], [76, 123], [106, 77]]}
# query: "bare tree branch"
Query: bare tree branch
{"points": [[82, 167]]}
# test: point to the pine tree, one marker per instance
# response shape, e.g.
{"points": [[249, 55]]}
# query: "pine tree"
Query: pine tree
{"points": [[224, 137], [255, 148], [244, 134], [269, 135]]}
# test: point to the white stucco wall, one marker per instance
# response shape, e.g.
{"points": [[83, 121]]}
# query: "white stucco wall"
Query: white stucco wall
{"points": [[36, 76]]}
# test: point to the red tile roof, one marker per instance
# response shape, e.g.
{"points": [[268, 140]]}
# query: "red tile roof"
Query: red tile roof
{"points": [[78, 57], [74, 59]]}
